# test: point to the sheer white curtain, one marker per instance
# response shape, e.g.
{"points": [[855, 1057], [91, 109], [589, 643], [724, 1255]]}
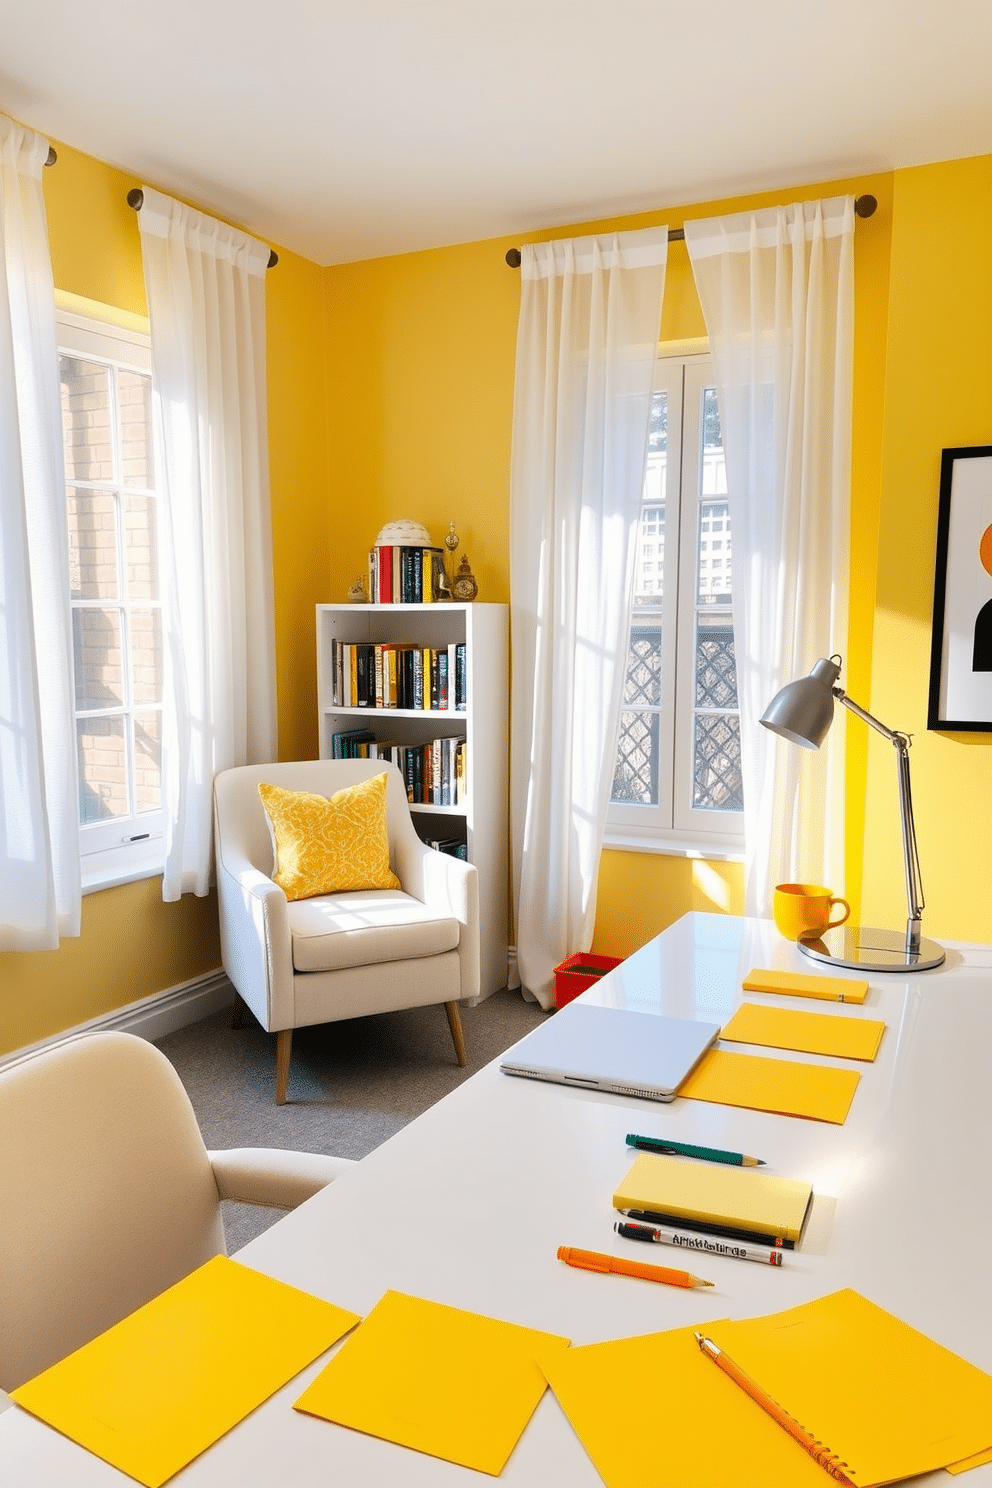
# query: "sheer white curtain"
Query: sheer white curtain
{"points": [[206, 305], [586, 347], [777, 291], [39, 807]]}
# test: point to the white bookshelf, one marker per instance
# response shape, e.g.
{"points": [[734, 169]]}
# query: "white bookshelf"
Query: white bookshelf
{"points": [[483, 816]]}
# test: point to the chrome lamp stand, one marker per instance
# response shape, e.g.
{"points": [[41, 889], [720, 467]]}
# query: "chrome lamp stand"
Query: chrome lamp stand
{"points": [[802, 713]]}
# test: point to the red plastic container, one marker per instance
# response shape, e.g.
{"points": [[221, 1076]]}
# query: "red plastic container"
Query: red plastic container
{"points": [[578, 972]]}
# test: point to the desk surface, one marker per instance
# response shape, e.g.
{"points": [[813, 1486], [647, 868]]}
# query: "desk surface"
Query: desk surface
{"points": [[469, 1204]]}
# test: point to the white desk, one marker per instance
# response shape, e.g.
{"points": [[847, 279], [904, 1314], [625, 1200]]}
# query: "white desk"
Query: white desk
{"points": [[469, 1203]]}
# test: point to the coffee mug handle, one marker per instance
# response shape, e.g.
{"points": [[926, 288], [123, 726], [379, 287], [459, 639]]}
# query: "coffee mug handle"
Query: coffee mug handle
{"points": [[847, 910]]}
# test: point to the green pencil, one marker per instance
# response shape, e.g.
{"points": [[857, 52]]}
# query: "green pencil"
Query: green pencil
{"points": [[686, 1149]]}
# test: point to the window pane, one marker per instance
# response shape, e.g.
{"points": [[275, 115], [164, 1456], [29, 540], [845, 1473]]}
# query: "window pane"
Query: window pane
{"points": [[649, 556], [92, 545], [148, 761], [141, 547], [642, 683], [716, 763], [86, 431], [102, 769], [134, 398], [96, 641], [713, 565], [635, 780], [716, 665], [146, 656]]}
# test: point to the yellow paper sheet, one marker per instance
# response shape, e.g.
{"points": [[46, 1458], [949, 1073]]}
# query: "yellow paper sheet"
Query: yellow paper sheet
{"points": [[652, 1412], [450, 1383], [887, 1400], [844, 1036], [801, 984], [784, 1086], [158, 1388], [978, 1459], [717, 1193]]}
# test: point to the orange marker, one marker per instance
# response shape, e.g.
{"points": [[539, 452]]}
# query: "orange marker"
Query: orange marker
{"points": [[591, 1260]]}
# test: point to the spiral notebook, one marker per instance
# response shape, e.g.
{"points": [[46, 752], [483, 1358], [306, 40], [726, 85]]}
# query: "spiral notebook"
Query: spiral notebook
{"points": [[884, 1401]]}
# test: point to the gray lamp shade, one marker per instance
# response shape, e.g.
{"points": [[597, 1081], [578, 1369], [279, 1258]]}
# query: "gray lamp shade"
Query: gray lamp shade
{"points": [[803, 710]]}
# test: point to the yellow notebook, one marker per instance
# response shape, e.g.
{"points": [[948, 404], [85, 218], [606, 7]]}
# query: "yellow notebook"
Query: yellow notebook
{"points": [[845, 1036], [799, 984], [158, 1388], [886, 1400], [784, 1086], [450, 1383], [889, 1402], [653, 1411], [718, 1194]]}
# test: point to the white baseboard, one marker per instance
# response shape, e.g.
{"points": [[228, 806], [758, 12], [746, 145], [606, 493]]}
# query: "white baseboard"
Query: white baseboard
{"points": [[150, 1017]]}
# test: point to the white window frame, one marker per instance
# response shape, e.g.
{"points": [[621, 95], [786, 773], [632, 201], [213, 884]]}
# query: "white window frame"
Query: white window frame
{"points": [[122, 849], [674, 825]]}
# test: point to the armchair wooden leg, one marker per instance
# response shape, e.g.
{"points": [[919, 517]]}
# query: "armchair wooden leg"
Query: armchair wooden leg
{"points": [[239, 1012], [284, 1045], [457, 1036]]}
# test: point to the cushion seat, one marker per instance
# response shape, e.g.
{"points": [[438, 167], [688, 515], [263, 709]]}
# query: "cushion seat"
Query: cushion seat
{"points": [[364, 928]]}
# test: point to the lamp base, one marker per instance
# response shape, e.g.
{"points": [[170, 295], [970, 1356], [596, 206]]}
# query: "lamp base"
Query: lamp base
{"points": [[865, 949]]}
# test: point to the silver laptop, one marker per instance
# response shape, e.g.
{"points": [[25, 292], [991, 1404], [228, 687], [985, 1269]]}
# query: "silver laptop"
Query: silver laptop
{"points": [[611, 1049]]}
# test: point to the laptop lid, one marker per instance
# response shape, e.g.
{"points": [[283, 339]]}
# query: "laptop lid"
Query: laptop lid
{"points": [[612, 1049]]}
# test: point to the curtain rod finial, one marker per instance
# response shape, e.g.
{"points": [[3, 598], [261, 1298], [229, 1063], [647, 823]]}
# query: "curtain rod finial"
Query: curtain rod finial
{"points": [[513, 257], [135, 198], [865, 206], [52, 156]]}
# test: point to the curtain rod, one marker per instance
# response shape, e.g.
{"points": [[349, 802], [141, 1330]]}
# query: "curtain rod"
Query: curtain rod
{"points": [[864, 206], [136, 197]]}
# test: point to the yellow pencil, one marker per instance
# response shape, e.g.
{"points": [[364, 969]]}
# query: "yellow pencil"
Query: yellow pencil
{"points": [[819, 1453]]}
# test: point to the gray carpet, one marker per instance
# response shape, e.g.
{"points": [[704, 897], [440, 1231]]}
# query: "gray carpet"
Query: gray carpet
{"points": [[351, 1084]]}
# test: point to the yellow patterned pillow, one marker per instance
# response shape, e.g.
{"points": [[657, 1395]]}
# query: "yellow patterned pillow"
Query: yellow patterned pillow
{"points": [[329, 846]]}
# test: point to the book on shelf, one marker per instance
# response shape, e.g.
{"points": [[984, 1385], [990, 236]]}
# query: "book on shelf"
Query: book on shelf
{"points": [[407, 575], [398, 674], [453, 846], [435, 773]]}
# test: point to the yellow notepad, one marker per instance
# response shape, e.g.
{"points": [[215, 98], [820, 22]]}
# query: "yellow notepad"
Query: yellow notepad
{"points": [[158, 1388], [781, 1085], [885, 1399], [653, 1410], [717, 1193], [450, 1383], [799, 984], [845, 1036]]}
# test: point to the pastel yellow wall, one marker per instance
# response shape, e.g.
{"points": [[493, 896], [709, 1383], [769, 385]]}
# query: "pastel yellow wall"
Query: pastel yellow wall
{"points": [[132, 945], [390, 395], [938, 395], [420, 355]]}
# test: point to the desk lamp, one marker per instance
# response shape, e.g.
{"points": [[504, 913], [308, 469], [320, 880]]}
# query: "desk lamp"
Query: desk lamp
{"points": [[802, 712]]}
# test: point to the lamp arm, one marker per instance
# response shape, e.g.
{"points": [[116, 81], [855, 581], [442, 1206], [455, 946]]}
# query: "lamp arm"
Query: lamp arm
{"points": [[911, 858]]}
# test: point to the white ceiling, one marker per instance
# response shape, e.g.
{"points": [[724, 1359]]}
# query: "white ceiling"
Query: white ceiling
{"points": [[353, 130]]}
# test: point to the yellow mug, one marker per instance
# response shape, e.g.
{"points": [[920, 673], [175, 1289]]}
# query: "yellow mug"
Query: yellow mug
{"points": [[804, 909]]}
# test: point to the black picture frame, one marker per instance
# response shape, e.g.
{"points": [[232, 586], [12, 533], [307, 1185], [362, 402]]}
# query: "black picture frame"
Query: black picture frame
{"points": [[961, 643]]}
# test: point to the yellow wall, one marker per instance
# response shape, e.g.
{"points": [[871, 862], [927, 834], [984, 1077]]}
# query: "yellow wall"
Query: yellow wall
{"points": [[420, 352], [390, 395], [938, 395], [132, 944]]}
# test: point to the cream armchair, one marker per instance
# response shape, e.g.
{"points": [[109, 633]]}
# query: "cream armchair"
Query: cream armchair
{"points": [[340, 955], [108, 1195]]}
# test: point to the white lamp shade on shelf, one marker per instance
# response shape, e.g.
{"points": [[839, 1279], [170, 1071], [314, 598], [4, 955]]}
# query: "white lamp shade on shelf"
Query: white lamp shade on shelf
{"points": [[403, 535]]}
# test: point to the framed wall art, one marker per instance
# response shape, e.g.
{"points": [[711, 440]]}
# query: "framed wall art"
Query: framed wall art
{"points": [[961, 648]]}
